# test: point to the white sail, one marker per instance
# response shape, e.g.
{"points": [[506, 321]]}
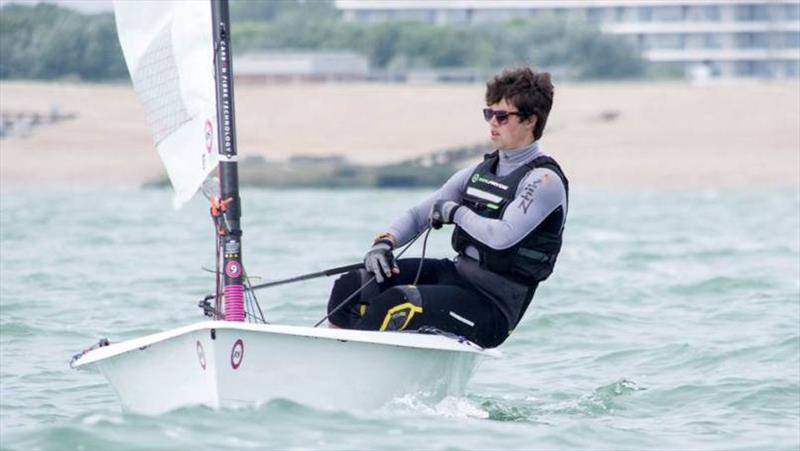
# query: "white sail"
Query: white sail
{"points": [[168, 48]]}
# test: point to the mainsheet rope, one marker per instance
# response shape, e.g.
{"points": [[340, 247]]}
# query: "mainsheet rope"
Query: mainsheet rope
{"points": [[427, 231], [218, 207]]}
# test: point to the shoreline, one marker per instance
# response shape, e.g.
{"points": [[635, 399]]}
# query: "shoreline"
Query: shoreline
{"points": [[606, 135]]}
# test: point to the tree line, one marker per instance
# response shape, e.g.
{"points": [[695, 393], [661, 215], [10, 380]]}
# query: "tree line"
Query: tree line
{"points": [[578, 50], [46, 41]]}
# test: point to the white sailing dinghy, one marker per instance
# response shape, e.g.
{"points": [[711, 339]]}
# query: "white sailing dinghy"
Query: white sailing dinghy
{"points": [[178, 54]]}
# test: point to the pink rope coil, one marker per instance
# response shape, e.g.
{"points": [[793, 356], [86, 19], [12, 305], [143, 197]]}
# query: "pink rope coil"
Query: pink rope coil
{"points": [[234, 302]]}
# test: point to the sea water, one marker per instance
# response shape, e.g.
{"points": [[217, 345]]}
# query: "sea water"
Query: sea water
{"points": [[672, 321]]}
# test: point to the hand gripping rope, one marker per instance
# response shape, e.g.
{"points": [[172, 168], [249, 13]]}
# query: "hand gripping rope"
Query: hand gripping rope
{"points": [[426, 231]]}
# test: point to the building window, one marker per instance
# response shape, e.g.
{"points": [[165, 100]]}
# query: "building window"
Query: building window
{"points": [[744, 68], [759, 68], [595, 15], [785, 40], [494, 15], [620, 13], [667, 41], [792, 12], [793, 68], [646, 13], [713, 41], [456, 17], [752, 40], [694, 41], [760, 12], [698, 41], [667, 13], [743, 12], [752, 12], [576, 14], [762, 69], [702, 13], [783, 12]]}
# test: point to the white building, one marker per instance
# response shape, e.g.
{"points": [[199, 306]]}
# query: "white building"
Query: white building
{"points": [[300, 65], [716, 38]]}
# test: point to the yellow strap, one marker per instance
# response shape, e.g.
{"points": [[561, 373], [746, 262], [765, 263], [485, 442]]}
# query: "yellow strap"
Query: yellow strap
{"points": [[412, 309]]}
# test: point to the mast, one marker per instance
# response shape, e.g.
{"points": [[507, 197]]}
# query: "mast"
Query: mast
{"points": [[231, 233]]}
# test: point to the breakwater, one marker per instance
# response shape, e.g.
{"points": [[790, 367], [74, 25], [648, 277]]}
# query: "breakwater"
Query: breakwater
{"points": [[337, 172]]}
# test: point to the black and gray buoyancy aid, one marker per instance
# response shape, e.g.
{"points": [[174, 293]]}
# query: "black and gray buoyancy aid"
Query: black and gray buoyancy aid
{"points": [[532, 259]]}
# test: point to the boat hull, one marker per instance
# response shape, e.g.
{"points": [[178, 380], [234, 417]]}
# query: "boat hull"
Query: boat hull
{"points": [[218, 364]]}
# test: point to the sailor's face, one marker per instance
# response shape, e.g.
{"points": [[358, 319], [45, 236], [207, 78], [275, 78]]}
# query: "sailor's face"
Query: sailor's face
{"points": [[510, 133]]}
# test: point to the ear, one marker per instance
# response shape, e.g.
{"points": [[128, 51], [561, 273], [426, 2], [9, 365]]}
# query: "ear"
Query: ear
{"points": [[531, 122]]}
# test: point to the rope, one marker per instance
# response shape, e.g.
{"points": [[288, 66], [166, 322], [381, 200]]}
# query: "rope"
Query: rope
{"points": [[400, 254], [422, 259]]}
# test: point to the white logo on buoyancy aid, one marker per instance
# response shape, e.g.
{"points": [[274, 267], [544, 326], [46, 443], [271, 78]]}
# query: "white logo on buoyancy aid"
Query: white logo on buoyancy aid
{"points": [[477, 178]]}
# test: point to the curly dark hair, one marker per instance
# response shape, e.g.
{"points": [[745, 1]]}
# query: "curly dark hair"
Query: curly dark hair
{"points": [[530, 92]]}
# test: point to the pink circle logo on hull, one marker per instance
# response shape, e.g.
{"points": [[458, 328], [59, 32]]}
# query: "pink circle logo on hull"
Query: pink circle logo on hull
{"points": [[237, 354], [201, 355]]}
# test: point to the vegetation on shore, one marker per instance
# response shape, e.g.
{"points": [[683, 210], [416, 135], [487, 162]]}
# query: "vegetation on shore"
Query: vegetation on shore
{"points": [[45, 41]]}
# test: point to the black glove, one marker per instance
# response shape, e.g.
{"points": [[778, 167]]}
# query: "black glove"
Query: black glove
{"points": [[380, 261], [443, 212]]}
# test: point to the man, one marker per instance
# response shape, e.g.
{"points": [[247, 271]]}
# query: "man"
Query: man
{"points": [[509, 212]]}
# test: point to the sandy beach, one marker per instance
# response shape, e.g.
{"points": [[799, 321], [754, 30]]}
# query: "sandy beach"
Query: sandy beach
{"points": [[621, 135]]}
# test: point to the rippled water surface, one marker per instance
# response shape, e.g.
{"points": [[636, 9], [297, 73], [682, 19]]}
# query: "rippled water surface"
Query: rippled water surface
{"points": [[672, 321]]}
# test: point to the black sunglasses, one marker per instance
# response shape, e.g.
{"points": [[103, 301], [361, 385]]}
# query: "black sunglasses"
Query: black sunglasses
{"points": [[501, 115]]}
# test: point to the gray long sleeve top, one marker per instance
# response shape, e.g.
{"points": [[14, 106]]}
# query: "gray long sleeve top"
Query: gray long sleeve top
{"points": [[538, 195], [523, 214]]}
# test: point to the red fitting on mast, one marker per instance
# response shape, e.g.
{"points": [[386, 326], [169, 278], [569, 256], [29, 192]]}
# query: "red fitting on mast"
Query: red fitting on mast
{"points": [[218, 206]]}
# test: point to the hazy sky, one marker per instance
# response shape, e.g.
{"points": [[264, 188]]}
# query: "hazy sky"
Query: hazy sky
{"points": [[84, 6]]}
